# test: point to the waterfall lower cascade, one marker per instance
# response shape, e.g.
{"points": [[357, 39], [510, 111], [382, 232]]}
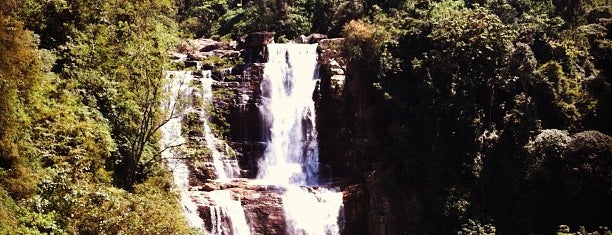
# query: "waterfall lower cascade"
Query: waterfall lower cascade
{"points": [[227, 215], [291, 158]]}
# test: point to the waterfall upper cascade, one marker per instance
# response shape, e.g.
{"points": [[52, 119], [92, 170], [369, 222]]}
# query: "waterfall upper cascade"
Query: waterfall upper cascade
{"points": [[288, 85], [291, 159]]}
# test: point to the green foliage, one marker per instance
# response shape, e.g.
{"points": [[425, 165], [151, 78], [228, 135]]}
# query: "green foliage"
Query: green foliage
{"points": [[119, 70], [219, 112], [74, 115], [459, 92], [547, 146], [20, 72], [199, 16], [473, 227], [363, 40]]}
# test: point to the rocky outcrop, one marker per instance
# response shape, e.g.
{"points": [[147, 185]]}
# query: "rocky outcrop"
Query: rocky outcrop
{"points": [[311, 39], [335, 140], [257, 39], [350, 126], [254, 45], [262, 204], [200, 49], [263, 209], [236, 96]]}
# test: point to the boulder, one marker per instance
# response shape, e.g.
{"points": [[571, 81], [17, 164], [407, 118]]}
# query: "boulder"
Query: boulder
{"points": [[263, 208], [209, 187], [316, 37], [214, 45], [257, 39], [225, 53], [301, 39]]}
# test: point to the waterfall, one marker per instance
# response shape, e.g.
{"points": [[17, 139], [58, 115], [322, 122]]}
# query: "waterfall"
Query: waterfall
{"points": [[286, 195], [289, 82], [171, 136], [226, 168], [291, 157], [227, 214]]}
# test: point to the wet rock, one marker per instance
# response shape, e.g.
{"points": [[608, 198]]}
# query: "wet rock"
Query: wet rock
{"points": [[177, 56], [210, 187], [263, 209]]}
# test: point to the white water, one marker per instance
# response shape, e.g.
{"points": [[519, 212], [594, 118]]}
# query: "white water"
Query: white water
{"points": [[291, 158], [171, 136], [289, 81], [227, 215], [226, 169], [312, 211], [227, 211]]}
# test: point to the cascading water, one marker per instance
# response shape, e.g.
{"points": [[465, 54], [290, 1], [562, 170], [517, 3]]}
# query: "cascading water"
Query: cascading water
{"points": [[171, 136], [287, 186], [228, 216], [226, 169], [291, 158], [289, 82]]}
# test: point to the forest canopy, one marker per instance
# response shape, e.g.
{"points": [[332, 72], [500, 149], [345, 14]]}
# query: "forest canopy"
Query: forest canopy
{"points": [[485, 101]]}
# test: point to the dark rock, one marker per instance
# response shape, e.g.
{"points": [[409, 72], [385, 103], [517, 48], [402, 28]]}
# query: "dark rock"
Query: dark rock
{"points": [[191, 63], [316, 37], [257, 39], [226, 53], [210, 187], [356, 206], [177, 56], [210, 45], [301, 39]]}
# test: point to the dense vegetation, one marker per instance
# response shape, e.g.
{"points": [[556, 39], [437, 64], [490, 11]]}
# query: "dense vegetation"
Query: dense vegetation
{"points": [[492, 111], [81, 83], [496, 111]]}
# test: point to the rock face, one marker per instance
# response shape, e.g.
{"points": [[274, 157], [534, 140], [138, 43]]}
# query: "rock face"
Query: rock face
{"points": [[331, 107], [262, 205], [257, 39], [236, 96], [350, 139], [254, 45], [263, 208]]}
